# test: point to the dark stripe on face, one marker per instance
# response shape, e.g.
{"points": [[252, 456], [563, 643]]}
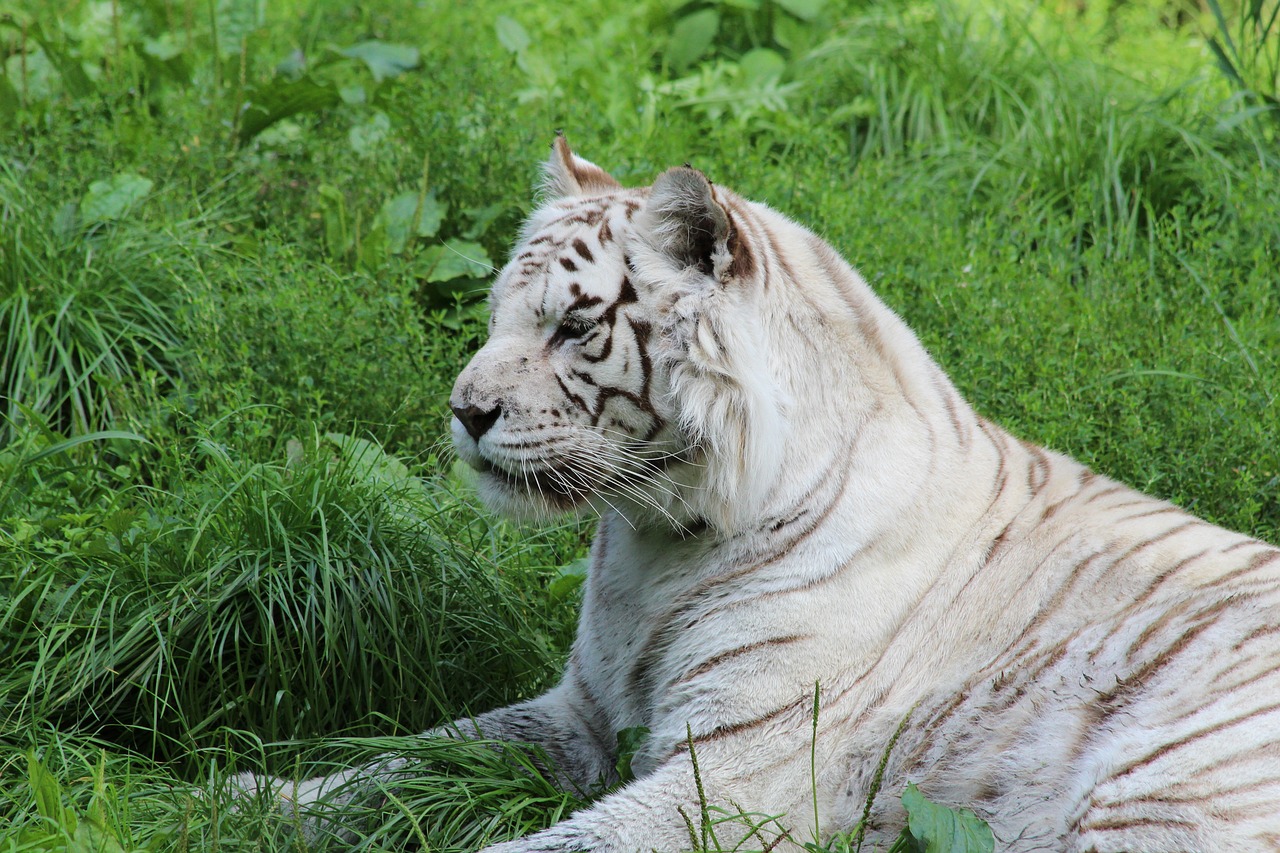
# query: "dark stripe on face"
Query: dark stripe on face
{"points": [[627, 292], [605, 350], [590, 216], [570, 396]]}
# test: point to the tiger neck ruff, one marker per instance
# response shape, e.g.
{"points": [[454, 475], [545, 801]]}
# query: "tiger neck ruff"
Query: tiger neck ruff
{"points": [[792, 494]]}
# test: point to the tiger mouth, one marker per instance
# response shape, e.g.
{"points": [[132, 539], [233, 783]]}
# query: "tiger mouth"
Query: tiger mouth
{"points": [[554, 484], [567, 488]]}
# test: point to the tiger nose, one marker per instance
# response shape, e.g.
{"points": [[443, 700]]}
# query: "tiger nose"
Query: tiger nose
{"points": [[476, 420]]}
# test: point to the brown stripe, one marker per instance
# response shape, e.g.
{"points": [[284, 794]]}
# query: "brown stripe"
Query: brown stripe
{"points": [[776, 254], [1053, 605], [1214, 796], [1263, 631], [1139, 500], [715, 660], [1038, 470], [1105, 492], [1204, 621], [660, 637], [743, 264], [1258, 561], [1157, 539], [1244, 543], [572, 397], [730, 729], [1149, 513], [950, 400], [1119, 824], [1261, 675], [1165, 749], [1230, 761], [1164, 575], [993, 434]]}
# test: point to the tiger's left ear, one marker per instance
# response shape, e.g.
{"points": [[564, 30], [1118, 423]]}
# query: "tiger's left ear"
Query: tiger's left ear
{"points": [[566, 174], [688, 225]]}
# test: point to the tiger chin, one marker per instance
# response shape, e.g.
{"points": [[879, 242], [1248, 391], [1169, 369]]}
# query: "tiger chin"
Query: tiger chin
{"points": [[794, 498]]}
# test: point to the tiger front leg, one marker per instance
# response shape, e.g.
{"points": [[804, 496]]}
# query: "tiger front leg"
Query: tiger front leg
{"points": [[721, 802], [334, 808]]}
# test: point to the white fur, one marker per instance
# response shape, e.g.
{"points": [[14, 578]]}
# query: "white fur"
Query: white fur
{"points": [[1086, 667]]}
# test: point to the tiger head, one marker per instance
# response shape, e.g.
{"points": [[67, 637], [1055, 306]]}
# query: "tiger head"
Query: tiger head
{"points": [[622, 371]]}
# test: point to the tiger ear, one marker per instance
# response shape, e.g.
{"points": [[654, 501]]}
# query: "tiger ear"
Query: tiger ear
{"points": [[566, 174], [688, 225]]}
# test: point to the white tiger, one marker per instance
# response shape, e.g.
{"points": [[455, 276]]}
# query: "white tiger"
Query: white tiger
{"points": [[793, 494]]}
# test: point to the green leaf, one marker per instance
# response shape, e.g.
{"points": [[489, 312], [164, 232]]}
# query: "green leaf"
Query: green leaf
{"points": [[111, 199], [453, 259], [397, 214], [48, 794], [333, 213], [806, 10], [761, 67], [164, 48], [939, 829], [102, 435], [281, 98], [366, 136], [630, 740], [74, 77], [1224, 64], [568, 578], [511, 34], [1225, 31], [369, 462], [10, 103], [165, 57], [481, 218], [90, 837], [691, 37], [383, 59], [293, 66]]}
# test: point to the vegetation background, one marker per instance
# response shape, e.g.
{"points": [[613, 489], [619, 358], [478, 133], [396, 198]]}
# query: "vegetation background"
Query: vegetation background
{"points": [[243, 252]]}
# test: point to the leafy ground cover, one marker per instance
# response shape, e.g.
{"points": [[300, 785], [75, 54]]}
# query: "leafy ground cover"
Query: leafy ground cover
{"points": [[242, 250]]}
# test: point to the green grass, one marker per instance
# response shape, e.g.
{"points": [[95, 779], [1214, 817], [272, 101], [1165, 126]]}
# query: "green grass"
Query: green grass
{"points": [[231, 310], [86, 308]]}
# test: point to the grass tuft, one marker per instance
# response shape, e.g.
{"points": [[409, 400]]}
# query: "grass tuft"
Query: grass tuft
{"points": [[86, 311]]}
